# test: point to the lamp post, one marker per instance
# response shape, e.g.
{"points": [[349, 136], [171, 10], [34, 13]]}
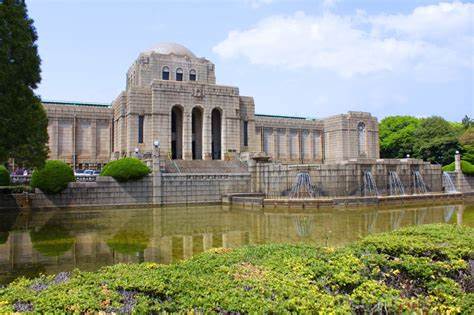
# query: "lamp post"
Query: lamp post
{"points": [[137, 153]]}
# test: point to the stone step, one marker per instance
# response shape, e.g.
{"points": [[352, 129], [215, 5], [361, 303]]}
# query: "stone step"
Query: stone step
{"points": [[202, 166]]}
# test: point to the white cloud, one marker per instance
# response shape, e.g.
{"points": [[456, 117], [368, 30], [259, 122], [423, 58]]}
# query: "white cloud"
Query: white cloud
{"points": [[329, 3], [255, 4], [431, 41]]}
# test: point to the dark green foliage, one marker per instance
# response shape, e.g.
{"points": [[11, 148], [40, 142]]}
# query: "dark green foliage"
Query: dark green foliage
{"points": [[467, 122], [467, 142], [4, 176], [397, 137], [129, 242], [466, 167], [436, 140], [422, 269], [52, 240], [125, 169], [53, 177], [23, 122], [432, 139]]}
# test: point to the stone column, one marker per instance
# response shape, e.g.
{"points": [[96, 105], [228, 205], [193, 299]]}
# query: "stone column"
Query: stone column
{"points": [[187, 136], [206, 136], [156, 177], [55, 139], [94, 141], [457, 162]]}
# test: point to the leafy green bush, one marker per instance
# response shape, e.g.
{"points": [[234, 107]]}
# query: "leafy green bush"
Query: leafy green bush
{"points": [[422, 269], [125, 169], [466, 167], [53, 177], [4, 176]]}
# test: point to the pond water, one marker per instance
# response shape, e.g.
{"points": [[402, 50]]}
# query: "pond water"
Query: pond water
{"points": [[34, 242]]}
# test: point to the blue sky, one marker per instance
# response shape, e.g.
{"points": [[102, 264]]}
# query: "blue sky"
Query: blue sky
{"points": [[306, 58]]}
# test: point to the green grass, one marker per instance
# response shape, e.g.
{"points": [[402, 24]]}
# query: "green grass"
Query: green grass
{"points": [[416, 269]]}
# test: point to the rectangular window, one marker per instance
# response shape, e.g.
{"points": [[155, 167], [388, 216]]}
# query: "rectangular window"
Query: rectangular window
{"points": [[179, 77], [246, 133], [141, 120]]}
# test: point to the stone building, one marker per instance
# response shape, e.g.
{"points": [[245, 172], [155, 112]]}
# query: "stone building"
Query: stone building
{"points": [[171, 96]]}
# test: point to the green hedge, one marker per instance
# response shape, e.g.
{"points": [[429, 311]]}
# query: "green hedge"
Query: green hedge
{"points": [[125, 169], [466, 167], [415, 270], [4, 176], [53, 177]]}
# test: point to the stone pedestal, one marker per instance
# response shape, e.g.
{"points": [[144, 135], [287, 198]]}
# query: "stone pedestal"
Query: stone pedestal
{"points": [[457, 162]]}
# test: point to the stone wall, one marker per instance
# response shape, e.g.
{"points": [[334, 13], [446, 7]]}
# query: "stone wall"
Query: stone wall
{"points": [[79, 134], [344, 179], [175, 189], [202, 188], [463, 183]]}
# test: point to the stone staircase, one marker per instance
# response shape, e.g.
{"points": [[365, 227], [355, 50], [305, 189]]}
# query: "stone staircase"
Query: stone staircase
{"points": [[204, 167]]}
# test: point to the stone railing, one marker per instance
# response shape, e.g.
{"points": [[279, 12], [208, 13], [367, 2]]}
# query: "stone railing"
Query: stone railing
{"points": [[86, 178], [25, 179], [20, 179]]}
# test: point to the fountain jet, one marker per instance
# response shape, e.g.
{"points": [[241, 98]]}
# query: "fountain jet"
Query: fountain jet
{"points": [[303, 188], [395, 184]]}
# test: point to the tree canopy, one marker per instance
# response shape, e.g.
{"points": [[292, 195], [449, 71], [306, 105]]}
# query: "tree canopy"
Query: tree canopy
{"points": [[23, 121], [432, 139]]}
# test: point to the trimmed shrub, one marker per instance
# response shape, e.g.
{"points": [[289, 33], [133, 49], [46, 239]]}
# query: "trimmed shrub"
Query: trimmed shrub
{"points": [[466, 167], [53, 177], [126, 169], [4, 176]]}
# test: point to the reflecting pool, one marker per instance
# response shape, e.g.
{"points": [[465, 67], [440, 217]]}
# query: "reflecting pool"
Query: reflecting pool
{"points": [[34, 242]]}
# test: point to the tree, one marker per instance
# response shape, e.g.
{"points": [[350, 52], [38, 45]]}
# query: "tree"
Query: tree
{"points": [[467, 142], [436, 140], [397, 136], [467, 122], [23, 121]]}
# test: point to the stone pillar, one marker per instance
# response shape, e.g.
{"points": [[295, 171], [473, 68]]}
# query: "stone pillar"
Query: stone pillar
{"points": [[156, 175], [55, 139], [207, 136], [94, 141], [252, 167], [457, 162], [187, 136]]}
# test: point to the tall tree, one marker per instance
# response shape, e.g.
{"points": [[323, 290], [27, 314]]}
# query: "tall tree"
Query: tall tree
{"points": [[436, 140], [397, 136], [23, 121]]}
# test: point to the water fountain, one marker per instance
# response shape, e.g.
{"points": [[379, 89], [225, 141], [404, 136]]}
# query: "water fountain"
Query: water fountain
{"points": [[395, 184], [419, 185], [448, 184], [370, 187], [303, 188]]}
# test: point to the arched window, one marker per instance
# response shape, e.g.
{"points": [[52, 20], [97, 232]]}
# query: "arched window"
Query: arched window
{"points": [[165, 74], [192, 75], [362, 138], [179, 74]]}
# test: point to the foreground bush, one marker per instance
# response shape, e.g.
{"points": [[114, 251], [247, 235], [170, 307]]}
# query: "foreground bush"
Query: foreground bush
{"points": [[53, 177], [125, 169], [466, 167], [4, 176], [422, 269]]}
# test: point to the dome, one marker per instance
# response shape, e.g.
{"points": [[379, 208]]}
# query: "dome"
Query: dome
{"points": [[171, 48]]}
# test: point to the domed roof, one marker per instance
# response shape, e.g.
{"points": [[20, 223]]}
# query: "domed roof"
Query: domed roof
{"points": [[171, 48]]}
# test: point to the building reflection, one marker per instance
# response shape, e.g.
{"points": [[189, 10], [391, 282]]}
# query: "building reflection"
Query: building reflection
{"points": [[98, 238]]}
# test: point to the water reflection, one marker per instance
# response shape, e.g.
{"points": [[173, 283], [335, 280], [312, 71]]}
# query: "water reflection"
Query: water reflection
{"points": [[53, 241]]}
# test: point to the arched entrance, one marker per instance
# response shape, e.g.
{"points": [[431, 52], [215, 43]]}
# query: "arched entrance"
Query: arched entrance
{"points": [[216, 127], [176, 132], [196, 126]]}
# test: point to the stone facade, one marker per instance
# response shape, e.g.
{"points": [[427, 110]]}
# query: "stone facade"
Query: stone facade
{"points": [[171, 97]]}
